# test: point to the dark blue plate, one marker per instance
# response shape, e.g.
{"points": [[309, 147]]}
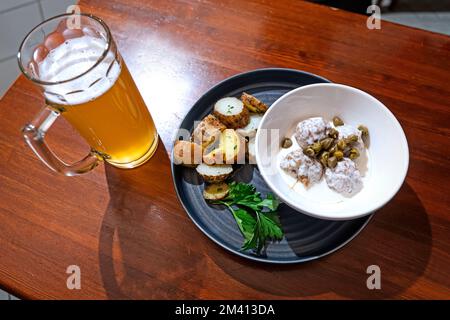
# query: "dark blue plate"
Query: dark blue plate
{"points": [[306, 238]]}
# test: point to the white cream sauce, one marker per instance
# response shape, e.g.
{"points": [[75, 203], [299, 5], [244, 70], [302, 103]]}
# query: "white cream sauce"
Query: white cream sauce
{"points": [[319, 192]]}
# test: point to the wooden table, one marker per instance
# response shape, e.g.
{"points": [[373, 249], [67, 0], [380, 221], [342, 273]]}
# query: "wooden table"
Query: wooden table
{"points": [[126, 229]]}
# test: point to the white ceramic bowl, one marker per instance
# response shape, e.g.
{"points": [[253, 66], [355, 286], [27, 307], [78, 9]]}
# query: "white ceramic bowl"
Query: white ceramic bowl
{"points": [[388, 148]]}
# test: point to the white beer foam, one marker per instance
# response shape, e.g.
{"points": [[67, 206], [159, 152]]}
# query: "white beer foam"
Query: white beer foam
{"points": [[69, 60]]}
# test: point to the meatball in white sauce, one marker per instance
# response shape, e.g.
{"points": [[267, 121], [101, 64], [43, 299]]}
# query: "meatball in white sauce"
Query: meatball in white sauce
{"points": [[344, 178], [310, 130], [302, 167]]}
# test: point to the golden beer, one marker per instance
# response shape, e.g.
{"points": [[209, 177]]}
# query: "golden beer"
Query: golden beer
{"points": [[103, 105], [74, 60], [116, 124]]}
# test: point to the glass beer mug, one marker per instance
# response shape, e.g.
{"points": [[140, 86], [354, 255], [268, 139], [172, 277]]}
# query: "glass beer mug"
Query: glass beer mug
{"points": [[75, 61]]}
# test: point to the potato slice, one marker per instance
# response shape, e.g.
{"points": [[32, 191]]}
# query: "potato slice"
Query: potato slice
{"points": [[231, 112], [249, 131], [216, 191], [187, 153], [215, 156], [208, 131], [253, 104], [233, 146], [231, 149], [215, 173]]}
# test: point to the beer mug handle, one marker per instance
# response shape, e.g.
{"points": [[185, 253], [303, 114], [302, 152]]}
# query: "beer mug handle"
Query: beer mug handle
{"points": [[34, 134]]}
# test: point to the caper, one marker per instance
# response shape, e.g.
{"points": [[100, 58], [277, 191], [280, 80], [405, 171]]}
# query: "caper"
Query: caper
{"points": [[347, 152], [333, 149], [364, 130], [338, 122], [326, 143], [316, 146], [341, 144], [287, 143], [309, 151], [333, 133], [351, 138], [339, 155], [324, 158], [332, 162], [354, 153]]}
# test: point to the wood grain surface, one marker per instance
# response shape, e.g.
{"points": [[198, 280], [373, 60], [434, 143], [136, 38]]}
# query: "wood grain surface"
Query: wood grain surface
{"points": [[126, 229]]}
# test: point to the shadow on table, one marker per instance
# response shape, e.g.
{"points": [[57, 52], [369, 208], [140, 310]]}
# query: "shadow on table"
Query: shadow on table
{"points": [[397, 239], [157, 252], [154, 253]]}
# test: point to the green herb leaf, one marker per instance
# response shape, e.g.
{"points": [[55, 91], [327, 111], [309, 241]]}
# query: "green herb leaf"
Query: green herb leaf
{"points": [[271, 226], [255, 216], [270, 202], [246, 223], [240, 190]]}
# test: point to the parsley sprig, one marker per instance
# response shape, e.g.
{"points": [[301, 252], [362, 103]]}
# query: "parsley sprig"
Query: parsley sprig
{"points": [[255, 216]]}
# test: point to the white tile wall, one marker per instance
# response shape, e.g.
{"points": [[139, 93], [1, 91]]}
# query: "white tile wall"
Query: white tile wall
{"points": [[9, 4], [52, 8], [14, 26], [4, 295], [17, 17], [9, 70], [432, 21]]}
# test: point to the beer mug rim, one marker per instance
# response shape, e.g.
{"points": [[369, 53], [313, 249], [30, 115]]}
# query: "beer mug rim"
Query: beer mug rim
{"points": [[84, 72]]}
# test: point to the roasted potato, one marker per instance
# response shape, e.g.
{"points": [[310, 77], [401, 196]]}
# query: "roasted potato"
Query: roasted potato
{"points": [[216, 191], [231, 112], [187, 153], [215, 156], [253, 104], [214, 173], [249, 131], [231, 149], [208, 131]]}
